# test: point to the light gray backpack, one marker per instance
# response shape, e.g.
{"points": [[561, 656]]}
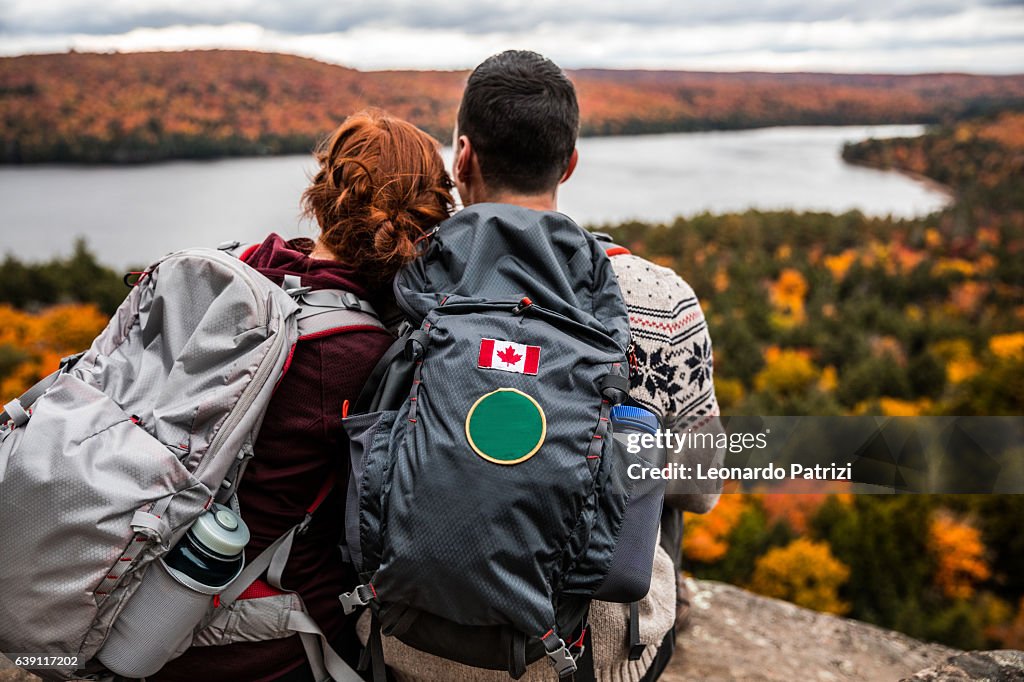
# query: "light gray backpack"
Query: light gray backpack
{"points": [[105, 464]]}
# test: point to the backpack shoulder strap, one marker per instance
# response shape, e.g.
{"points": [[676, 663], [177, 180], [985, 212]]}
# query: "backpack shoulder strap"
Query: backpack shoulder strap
{"points": [[324, 311], [323, 659], [329, 311]]}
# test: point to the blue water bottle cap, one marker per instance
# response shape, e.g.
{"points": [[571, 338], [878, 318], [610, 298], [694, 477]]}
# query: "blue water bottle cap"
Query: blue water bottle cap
{"points": [[637, 417]]}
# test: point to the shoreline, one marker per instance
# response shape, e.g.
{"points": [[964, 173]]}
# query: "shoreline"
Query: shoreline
{"points": [[136, 158], [928, 182]]}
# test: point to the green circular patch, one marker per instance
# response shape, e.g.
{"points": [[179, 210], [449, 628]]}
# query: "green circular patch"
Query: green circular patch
{"points": [[506, 426]]}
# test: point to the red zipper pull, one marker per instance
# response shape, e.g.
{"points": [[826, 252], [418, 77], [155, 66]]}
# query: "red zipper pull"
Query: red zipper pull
{"points": [[524, 303]]}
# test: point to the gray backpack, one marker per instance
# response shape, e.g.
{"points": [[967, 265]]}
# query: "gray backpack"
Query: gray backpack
{"points": [[106, 464], [491, 496]]}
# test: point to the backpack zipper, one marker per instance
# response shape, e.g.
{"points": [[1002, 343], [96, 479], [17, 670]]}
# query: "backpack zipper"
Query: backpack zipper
{"points": [[245, 401], [261, 377]]}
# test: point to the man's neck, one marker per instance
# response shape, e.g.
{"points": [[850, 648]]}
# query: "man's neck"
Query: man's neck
{"points": [[537, 202]]}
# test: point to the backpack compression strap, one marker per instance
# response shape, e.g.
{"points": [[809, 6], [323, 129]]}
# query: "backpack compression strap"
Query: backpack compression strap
{"points": [[18, 411]]}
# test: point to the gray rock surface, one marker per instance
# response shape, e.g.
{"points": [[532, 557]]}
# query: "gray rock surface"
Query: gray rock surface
{"points": [[736, 635], [992, 666], [8, 673]]}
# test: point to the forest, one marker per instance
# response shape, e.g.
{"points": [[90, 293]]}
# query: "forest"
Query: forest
{"points": [[138, 107], [816, 314], [810, 314]]}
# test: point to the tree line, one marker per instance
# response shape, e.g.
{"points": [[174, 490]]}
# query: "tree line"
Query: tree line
{"points": [[124, 108]]}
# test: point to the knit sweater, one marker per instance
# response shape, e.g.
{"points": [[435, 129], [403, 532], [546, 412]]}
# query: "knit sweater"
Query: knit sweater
{"points": [[673, 350]]}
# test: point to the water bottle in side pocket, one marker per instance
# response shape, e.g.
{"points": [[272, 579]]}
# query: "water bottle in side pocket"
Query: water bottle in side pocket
{"points": [[629, 575], [157, 623]]}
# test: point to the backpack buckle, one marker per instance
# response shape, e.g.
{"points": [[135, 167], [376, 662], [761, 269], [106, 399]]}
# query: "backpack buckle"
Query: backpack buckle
{"points": [[16, 413], [562, 661], [304, 525], [292, 285], [357, 598], [578, 647], [558, 654], [350, 300]]}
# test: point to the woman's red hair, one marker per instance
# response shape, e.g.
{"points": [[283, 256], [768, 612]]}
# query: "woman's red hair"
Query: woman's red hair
{"points": [[380, 188]]}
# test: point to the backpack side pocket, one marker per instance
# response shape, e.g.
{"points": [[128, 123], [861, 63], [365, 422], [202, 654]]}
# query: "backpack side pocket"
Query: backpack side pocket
{"points": [[370, 448], [629, 574], [98, 469]]}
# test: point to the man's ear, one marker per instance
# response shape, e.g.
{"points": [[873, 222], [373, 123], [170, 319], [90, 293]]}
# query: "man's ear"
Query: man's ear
{"points": [[463, 166], [572, 166]]}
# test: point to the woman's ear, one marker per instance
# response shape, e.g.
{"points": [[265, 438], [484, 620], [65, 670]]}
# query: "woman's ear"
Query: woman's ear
{"points": [[572, 166]]}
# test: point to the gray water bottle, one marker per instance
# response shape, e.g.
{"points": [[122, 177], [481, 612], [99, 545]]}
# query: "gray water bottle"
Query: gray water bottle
{"points": [[157, 623]]}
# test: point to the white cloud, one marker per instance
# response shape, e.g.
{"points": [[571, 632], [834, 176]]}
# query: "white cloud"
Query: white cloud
{"points": [[905, 37]]}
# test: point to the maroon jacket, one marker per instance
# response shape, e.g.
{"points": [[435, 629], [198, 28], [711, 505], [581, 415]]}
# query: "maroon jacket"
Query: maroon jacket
{"points": [[300, 443]]}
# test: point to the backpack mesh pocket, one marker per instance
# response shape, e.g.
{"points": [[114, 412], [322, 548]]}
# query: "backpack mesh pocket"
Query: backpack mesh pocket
{"points": [[98, 469]]}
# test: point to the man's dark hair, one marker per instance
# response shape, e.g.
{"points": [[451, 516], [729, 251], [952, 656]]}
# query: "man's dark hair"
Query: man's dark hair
{"points": [[520, 113]]}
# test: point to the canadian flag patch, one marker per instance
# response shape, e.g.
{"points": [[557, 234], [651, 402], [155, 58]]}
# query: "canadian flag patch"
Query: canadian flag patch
{"points": [[508, 356]]}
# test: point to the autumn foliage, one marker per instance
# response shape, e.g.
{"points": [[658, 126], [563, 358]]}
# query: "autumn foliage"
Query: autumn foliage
{"points": [[707, 535], [815, 313], [824, 314], [803, 572], [32, 345], [960, 557], [148, 106]]}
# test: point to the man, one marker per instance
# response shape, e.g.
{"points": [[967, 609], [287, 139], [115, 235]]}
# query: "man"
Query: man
{"points": [[515, 144]]}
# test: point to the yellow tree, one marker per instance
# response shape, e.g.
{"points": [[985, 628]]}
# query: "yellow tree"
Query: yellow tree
{"points": [[787, 295], [786, 372], [803, 572], [40, 340], [959, 554]]}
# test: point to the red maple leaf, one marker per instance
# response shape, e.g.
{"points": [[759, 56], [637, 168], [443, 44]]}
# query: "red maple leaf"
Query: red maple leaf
{"points": [[509, 356]]}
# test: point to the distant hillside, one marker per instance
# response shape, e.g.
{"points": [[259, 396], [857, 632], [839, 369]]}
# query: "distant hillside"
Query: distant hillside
{"points": [[151, 106]]}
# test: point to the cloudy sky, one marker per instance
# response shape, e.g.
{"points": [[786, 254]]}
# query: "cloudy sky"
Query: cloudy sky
{"points": [[985, 36]]}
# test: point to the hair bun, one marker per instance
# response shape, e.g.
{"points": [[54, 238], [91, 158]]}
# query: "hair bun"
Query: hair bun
{"points": [[381, 185]]}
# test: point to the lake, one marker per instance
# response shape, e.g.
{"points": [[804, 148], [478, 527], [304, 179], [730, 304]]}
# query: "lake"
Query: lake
{"points": [[132, 214]]}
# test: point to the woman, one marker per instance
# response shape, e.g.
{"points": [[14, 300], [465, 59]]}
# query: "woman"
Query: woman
{"points": [[380, 188]]}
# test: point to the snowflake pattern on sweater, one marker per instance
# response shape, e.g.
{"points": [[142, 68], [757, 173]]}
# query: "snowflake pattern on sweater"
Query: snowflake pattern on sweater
{"points": [[671, 341]]}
